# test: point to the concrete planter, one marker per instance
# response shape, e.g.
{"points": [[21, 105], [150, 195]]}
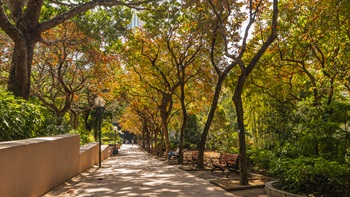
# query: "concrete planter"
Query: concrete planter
{"points": [[274, 192]]}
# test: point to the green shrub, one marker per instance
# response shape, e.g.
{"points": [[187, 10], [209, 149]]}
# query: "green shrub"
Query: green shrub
{"points": [[289, 150], [109, 135], [261, 159], [19, 119], [315, 176], [22, 119]]}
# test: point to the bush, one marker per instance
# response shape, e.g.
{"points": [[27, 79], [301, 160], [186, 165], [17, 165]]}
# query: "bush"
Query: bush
{"points": [[261, 159], [315, 176], [109, 136], [19, 119], [22, 119]]}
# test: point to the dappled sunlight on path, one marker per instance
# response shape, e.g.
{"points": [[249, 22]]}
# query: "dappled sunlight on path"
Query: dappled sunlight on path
{"points": [[135, 173]]}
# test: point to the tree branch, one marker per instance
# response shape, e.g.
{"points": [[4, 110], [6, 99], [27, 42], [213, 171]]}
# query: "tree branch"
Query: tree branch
{"points": [[7, 26], [272, 37], [84, 7], [32, 12]]}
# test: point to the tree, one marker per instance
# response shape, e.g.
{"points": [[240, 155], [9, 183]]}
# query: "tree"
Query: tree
{"points": [[242, 56], [25, 21], [318, 52], [60, 72], [184, 42], [301, 82], [223, 11], [246, 69]]}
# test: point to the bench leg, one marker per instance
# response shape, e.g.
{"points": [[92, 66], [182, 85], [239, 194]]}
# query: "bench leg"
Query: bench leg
{"points": [[222, 169], [230, 171]]}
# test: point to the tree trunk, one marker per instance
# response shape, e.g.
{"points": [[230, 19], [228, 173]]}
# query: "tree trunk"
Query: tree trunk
{"points": [[148, 136], [237, 99], [156, 148], [255, 131], [74, 119], [214, 104], [143, 136], [161, 144], [59, 119], [165, 110], [19, 77], [87, 123], [184, 120], [165, 135], [151, 141]]}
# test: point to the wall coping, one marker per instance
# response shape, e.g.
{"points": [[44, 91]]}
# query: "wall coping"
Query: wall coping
{"points": [[16, 143], [88, 146]]}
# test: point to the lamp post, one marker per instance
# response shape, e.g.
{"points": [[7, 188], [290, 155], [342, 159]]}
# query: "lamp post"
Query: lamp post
{"points": [[99, 103]]}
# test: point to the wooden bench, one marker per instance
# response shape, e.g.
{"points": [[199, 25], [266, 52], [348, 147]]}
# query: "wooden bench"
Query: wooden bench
{"points": [[226, 161], [192, 158]]}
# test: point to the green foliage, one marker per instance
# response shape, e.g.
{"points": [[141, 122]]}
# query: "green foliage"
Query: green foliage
{"points": [[315, 176], [261, 159], [319, 128], [85, 136], [114, 22], [19, 119], [223, 135], [109, 136], [192, 132], [289, 150]]}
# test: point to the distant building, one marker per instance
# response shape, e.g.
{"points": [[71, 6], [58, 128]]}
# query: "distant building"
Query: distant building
{"points": [[136, 22]]}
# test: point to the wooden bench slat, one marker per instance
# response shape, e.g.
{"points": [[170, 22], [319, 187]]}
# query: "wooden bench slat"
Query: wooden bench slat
{"points": [[227, 161]]}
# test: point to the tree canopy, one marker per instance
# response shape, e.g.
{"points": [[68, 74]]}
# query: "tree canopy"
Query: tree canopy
{"points": [[268, 80]]}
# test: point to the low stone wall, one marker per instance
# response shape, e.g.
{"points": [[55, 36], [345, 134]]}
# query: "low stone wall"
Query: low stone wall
{"points": [[33, 167], [107, 151], [274, 192], [89, 155]]}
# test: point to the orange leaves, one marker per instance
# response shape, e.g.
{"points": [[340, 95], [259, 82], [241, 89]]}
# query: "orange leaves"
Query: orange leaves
{"points": [[71, 67], [66, 32]]}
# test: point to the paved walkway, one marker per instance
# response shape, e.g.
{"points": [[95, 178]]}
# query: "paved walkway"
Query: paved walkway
{"points": [[135, 173]]}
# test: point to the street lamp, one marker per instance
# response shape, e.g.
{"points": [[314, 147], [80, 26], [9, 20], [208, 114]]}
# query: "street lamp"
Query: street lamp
{"points": [[99, 103]]}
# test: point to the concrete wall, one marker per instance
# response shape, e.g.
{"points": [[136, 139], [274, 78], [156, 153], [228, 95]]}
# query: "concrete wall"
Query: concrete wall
{"points": [[89, 155], [107, 151], [32, 167]]}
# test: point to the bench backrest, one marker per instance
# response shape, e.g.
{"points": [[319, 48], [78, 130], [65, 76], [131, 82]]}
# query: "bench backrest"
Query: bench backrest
{"points": [[195, 154], [228, 157]]}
